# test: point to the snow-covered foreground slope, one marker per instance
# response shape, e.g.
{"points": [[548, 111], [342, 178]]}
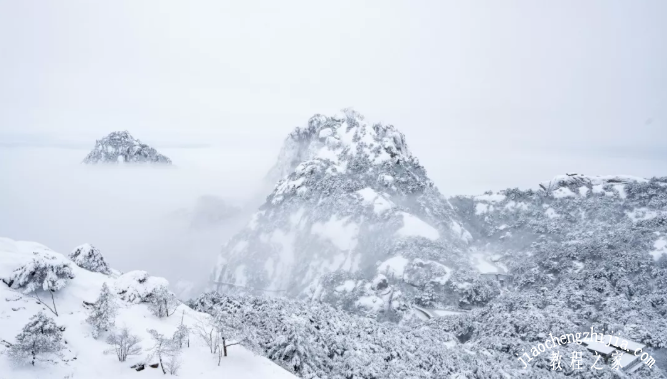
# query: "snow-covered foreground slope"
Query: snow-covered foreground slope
{"points": [[83, 356]]}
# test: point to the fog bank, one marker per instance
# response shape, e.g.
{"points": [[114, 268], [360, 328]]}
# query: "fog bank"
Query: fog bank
{"points": [[139, 217]]}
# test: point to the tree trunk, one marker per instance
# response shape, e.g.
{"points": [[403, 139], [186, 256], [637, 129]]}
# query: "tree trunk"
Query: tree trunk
{"points": [[224, 346], [162, 366]]}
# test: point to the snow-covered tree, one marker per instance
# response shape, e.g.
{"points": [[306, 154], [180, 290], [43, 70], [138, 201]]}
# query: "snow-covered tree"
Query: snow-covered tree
{"points": [[103, 312], [89, 257], [40, 335], [165, 349], [231, 331], [162, 303], [42, 272], [181, 336], [173, 364], [46, 272], [123, 344], [208, 334], [292, 346]]}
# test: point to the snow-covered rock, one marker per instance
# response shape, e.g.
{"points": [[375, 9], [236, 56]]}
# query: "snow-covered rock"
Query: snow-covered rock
{"points": [[89, 257], [137, 286], [121, 147]]}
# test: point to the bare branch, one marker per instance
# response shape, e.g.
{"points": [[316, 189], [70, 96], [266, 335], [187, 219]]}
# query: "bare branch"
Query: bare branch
{"points": [[39, 300]]}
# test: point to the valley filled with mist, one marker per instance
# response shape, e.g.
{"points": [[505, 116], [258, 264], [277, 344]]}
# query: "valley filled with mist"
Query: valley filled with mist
{"points": [[333, 190]]}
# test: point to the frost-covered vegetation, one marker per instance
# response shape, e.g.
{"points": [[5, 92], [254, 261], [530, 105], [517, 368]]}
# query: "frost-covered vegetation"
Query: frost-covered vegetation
{"points": [[314, 340], [580, 253], [45, 272], [121, 147], [39, 336], [355, 222], [89, 257]]}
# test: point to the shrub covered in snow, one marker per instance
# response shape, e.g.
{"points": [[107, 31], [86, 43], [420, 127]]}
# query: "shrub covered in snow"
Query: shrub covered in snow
{"points": [[48, 272], [89, 257], [162, 303], [123, 344], [138, 286], [39, 336], [314, 340]]}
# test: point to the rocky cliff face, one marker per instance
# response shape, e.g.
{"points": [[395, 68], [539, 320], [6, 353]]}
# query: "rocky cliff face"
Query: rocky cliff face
{"points": [[353, 220], [121, 147]]}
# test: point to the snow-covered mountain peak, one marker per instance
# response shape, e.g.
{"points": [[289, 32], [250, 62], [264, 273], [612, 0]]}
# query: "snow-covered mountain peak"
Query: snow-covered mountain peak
{"points": [[122, 147], [351, 201], [339, 139], [345, 153]]}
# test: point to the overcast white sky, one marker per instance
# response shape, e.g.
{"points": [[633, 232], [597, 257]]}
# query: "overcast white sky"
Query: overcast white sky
{"points": [[490, 94]]}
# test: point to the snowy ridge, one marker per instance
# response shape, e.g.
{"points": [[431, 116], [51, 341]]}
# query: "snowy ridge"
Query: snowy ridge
{"points": [[350, 196], [588, 249], [121, 147], [578, 184], [82, 355]]}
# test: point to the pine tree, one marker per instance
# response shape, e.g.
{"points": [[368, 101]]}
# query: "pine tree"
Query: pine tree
{"points": [[292, 347], [103, 313], [40, 335], [182, 334], [42, 272]]}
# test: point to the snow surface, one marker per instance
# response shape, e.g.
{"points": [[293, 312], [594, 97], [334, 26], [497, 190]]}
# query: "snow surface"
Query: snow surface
{"points": [[660, 246], [341, 232], [483, 264], [347, 286], [513, 205], [481, 208], [286, 257], [461, 232], [415, 227], [551, 213], [91, 362], [370, 302], [372, 198], [394, 266], [494, 198], [620, 188], [563, 192], [641, 214], [444, 312]]}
